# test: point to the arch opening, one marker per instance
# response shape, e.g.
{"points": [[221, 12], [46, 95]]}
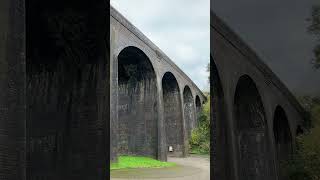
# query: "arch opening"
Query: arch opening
{"points": [[282, 134], [198, 108], [173, 119], [299, 130], [251, 131], [137, 104], [189, 113]]}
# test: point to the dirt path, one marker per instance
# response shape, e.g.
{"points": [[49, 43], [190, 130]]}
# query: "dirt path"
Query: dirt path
{"points": [[190, 168]]}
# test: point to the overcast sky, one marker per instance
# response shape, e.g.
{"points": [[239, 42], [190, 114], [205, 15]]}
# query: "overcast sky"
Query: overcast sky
{"points": [[180, 28], [277, 31]]}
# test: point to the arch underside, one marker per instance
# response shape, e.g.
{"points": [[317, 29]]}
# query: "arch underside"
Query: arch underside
{"points": [[255, 160], [189, 114], [219, 131], [282, 135], [172, 115], [137, 104], [198, 108]]}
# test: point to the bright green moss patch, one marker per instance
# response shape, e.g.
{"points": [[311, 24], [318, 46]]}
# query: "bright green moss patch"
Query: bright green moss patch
{"points": [[125, 162]]}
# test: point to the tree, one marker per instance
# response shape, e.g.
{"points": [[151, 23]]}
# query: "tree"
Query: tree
{"points": [[200, 136], [314, 29], [208, 70], [305, 162]]}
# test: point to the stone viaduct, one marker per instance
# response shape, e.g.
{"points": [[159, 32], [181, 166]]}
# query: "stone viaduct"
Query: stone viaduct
{"points": [[57, 82], [154, 104], [255, 118], [56, 90]]}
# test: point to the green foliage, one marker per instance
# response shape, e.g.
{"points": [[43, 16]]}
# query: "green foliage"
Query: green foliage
{"points": [[125, 162], [314, 29], [310, 104], [305, 163], [200, 136]]}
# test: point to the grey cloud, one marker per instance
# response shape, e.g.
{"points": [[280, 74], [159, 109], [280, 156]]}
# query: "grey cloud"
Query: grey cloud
{"points": [[277, 31]]}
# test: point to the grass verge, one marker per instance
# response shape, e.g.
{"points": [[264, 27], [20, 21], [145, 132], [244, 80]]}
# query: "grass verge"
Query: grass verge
{"points": [[125, 162]]}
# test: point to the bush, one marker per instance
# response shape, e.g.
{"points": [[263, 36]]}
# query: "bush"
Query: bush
{"points": [[305, 162], [200, 136]]}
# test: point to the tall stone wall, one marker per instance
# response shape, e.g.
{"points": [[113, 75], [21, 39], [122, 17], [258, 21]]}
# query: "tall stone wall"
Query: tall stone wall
{"points": [[173, 119], [12, 88], [255, 161], [66, 90], [54, 86], [137, 104], [189, 110]]}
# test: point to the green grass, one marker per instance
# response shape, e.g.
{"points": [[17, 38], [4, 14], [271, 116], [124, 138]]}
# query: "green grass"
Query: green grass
{"points": [[125, 162]]}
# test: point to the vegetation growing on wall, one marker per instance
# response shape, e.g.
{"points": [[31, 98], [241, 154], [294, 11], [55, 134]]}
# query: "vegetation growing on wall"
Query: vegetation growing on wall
{"points": [[200, 136], [305, 163]]}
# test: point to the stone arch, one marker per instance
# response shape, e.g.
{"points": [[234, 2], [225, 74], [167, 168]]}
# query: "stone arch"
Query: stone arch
{"points": [[137, 104], [282, 135], [173, 118], [198, 108], [251, 132], [189, 108], [219, 144]]}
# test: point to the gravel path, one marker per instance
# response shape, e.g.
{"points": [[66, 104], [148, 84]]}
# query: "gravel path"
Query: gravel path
{"points": [[190, 168]]}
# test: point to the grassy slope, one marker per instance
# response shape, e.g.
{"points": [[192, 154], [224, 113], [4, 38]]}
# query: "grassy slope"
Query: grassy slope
{"points": [[125, 162]]}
